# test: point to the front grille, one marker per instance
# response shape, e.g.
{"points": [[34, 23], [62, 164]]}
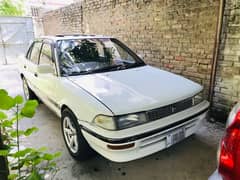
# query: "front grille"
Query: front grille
{"points": [[169, 109]]}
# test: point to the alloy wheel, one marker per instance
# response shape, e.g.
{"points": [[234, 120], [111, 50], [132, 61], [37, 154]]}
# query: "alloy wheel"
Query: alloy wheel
{"points": [[69, 131]]}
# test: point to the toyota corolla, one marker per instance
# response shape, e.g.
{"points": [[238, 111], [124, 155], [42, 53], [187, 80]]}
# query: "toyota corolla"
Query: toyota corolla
{"points": [[108, 99]]}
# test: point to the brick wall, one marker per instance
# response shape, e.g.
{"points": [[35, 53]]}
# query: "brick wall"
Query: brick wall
{"points": [[176, 35], [227, 87]]}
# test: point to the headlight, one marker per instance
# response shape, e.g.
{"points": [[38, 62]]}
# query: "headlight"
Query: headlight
{"points": [[197, 98], [106, 122], [127, 121]]}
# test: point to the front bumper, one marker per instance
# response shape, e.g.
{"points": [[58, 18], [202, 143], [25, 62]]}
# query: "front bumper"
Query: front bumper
{"points": [[145, 143]]}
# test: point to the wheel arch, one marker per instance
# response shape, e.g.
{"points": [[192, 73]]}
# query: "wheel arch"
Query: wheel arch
{"points": [[64, 106]]}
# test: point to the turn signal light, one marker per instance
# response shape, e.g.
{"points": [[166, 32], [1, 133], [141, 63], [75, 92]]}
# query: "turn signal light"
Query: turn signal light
{"points": [[120, 147]]}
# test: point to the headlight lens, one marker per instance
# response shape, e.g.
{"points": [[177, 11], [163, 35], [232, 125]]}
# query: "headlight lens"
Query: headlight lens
{"points": [[106, 122], [130, 120], [197, 98]]}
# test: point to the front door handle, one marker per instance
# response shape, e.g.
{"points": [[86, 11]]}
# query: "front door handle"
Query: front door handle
{"points": [[35, 74], [25, 67]]}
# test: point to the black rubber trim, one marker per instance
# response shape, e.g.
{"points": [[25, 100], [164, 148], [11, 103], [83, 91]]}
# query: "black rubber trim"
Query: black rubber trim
{"points": [[143, 135]]}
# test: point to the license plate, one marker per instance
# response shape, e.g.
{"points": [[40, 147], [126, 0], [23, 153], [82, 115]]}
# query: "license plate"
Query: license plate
{"points": [[178, 136], [175, 137]]}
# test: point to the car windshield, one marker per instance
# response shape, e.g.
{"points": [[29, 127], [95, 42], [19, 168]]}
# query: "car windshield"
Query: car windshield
{"points": [[84, 56]]}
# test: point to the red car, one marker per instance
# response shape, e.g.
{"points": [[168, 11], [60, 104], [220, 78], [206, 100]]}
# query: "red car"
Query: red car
{"points": [[229, 149]]}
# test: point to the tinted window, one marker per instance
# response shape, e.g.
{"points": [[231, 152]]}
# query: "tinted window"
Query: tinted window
{"points": [[46, 54], [35, 52]]}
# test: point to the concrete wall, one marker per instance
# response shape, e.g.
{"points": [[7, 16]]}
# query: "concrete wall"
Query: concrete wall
{"points": [[176, 35]]}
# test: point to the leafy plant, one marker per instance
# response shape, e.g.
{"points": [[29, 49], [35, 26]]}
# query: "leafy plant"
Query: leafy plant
{"points": [[27, 163], [8, 8]]}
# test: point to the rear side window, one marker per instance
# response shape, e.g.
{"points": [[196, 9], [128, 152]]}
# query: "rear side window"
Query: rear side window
{"points": [[35, 52], [46, 55]]}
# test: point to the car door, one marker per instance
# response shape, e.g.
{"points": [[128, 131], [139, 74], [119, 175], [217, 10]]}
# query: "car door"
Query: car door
{"points": [[30, 66], [48, 81]]}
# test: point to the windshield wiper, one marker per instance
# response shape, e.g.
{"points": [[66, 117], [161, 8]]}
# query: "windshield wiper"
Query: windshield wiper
{"points": [[135, 65], [97, 70], [79, 73], [107, 68]]}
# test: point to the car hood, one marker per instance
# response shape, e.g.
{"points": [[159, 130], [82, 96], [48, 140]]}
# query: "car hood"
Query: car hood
{"points": [[136, 89]]}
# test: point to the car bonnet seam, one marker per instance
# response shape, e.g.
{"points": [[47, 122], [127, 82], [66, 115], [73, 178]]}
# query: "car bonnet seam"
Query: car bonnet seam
{"points": [[92, 96]]}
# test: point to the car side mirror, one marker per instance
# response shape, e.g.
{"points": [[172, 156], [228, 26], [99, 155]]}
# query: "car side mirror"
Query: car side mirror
{"points": [[45, 69]]}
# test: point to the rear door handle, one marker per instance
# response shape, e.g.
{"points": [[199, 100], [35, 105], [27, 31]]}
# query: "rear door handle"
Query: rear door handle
{"points": [[35, 74], [25, 67]]}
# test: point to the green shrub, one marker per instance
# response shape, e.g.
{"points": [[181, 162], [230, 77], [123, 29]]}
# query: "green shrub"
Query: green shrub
{"points": [[27, 163]]}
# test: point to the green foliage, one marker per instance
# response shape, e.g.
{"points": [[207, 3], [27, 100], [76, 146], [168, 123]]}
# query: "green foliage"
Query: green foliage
{"points": [[4, 152], [30, 163], [18, 99], [6, 102], [29, 108], [26, 132], [2, 115], [34, 175], [8, 8]]}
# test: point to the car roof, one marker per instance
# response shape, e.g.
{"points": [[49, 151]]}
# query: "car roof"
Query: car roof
{"points": [[72, 36]]}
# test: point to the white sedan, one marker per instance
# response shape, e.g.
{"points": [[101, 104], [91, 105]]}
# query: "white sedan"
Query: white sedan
{"points": [[108, 99]]}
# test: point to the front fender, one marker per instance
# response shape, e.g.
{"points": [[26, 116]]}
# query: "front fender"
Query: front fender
{"points": [[85, 106]]}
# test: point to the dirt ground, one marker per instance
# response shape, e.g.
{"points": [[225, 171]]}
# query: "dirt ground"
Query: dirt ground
{"points": [[191, 159]]}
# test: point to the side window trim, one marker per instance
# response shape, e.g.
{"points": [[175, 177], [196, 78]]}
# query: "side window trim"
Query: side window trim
{"points": [[40, 51], [28, 54], [54, 59]]}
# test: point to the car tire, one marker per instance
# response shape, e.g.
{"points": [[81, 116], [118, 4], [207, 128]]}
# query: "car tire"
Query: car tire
{"points": [[76, 144], [28, 93]]}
